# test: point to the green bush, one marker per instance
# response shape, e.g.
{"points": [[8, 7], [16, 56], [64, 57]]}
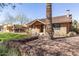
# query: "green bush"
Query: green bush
{"points": [[75, 30], [75, 27], [5, 51]]}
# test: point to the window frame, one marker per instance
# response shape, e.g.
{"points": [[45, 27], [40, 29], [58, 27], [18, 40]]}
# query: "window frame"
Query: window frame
{"points": [[56, 26]]}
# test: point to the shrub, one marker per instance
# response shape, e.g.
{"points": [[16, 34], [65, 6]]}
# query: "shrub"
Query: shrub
{"points": [[5, 51], [70, 34], [75, 30], [13, 52], [29, 32]]}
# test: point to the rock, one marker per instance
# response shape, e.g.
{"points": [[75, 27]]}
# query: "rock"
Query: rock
{"points": [[71, 34]]}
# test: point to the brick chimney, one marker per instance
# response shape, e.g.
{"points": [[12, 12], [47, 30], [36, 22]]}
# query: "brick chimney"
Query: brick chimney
{"points": [[49, 28], [49, 12]]}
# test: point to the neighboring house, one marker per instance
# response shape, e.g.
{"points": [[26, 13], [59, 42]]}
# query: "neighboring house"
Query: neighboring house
{"points": [[61, 25], [19, 28], [14, 28], [1, 28], [7, 28]]}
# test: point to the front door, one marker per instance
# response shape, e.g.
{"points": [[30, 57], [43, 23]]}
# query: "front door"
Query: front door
{"points": [[41, 28]]}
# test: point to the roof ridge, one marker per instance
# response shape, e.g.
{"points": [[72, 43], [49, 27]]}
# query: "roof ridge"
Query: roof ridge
{"points": [[52, 17], [61, 16]]}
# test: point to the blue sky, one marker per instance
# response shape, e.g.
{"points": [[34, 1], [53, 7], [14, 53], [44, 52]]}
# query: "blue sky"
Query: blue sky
{"points": [[38, 10]]}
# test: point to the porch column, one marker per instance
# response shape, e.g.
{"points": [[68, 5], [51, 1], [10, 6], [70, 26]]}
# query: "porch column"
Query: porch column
{"points": [[44, 29]]}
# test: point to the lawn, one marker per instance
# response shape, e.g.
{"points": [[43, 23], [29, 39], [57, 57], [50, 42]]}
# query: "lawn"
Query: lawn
{"points": [[9, 36], [4, 50]]}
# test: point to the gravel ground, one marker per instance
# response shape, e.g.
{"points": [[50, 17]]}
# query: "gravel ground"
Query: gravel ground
{"points": [[47, 47], [44, 46]]}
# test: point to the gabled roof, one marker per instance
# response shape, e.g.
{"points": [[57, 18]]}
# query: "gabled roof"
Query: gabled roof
{"points": [[36, 21], [57, 19]]}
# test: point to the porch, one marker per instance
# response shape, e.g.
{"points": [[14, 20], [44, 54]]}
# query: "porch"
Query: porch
{"points": [[37, 27]]}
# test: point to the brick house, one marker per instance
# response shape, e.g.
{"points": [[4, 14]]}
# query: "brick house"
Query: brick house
{"points": [[61, 25]]}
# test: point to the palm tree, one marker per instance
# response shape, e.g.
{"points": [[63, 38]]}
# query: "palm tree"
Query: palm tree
{"points": [[49, 28]]}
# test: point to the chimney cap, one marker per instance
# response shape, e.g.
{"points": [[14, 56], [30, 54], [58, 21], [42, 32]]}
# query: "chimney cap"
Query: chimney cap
{"points": [[68, 10], [68, 13]]}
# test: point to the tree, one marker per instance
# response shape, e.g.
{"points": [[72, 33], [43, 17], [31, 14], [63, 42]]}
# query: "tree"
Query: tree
{"points": [[9, 19], [49, 28], [3, 5], [75, 26], [22, 18], [75, 23]]}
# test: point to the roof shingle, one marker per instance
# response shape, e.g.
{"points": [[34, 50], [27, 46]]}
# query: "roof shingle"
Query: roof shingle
{"points": [[57, 19]]}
